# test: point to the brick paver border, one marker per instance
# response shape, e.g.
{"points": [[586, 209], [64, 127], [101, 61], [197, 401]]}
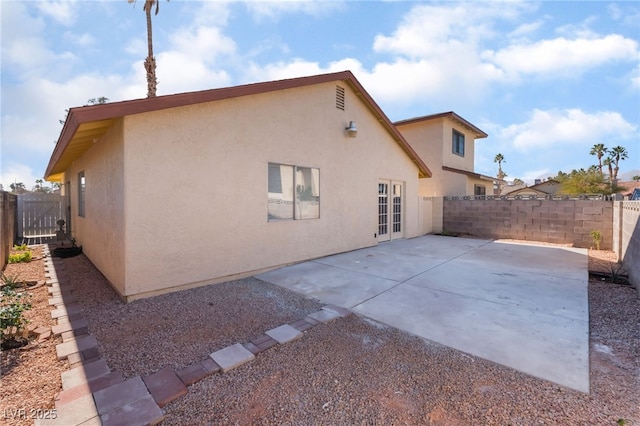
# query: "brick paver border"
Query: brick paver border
{"points": [[155, 390]]}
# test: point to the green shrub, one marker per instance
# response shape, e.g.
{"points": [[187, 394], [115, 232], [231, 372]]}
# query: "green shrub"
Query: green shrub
{"points": [[597, 238], [12, 307], [21, 247], [24, 256], [11, 281]]}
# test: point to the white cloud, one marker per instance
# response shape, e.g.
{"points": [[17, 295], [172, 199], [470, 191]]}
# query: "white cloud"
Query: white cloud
{"points": [[562, 56], [83, 40], [202, 43], [62, 11], [635, 78], [192, 61], [567, 127], [526, 29], [21, 43], [177, 73], [274, 9], [13, 172]]}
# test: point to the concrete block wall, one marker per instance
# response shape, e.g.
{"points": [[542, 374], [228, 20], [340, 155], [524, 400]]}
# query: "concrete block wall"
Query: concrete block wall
{"points": [[553, 221], [626, 238]]}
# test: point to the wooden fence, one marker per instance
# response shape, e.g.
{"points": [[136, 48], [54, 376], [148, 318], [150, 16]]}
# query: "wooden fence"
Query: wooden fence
{"points": [[37, 214]]}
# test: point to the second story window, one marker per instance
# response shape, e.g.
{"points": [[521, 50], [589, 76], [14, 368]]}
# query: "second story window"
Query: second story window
{"points": [[458, 143]]}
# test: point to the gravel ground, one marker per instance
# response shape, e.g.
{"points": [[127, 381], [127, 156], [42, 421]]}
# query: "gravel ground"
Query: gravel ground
{"points": [[30, 376], [351, 371]]}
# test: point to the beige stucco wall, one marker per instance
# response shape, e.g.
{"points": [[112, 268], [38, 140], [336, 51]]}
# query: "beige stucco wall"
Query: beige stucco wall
{"points": [[432, 140], [472, 182], [101, 232], [196, 185]]}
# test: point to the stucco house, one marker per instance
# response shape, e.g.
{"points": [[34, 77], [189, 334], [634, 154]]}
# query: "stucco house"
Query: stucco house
{"points": [[540, 189], [184, 190], [446, 142]]}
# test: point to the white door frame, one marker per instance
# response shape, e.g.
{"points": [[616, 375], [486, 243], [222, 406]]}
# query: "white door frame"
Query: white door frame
{"points": [[390, 209]]}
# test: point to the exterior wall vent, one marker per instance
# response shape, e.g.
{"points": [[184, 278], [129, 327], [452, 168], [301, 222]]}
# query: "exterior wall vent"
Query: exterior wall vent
{"points": [[340, 97]]}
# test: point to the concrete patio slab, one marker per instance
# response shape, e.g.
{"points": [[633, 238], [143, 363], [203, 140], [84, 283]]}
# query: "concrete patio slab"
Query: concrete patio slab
{"points": [[328, 283], [232, 357], [521, 305]]}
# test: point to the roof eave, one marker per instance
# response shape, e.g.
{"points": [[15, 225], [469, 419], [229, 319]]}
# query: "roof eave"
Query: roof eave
{"points": [[80, 115], [478, 133]]}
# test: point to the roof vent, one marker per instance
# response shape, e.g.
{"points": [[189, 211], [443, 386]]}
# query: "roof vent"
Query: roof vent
{"points": [[340, 97]]}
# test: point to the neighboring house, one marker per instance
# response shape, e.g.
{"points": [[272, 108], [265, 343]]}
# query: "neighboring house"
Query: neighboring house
{"points": [[630, 189], [184, 190], [446, 143], [542, 189]]}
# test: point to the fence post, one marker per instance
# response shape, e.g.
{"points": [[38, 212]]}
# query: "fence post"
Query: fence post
{"points": [[7, 225]]}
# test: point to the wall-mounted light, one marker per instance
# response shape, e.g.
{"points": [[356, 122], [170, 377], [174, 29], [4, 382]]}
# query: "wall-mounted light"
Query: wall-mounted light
{"points": [[352, 130]]}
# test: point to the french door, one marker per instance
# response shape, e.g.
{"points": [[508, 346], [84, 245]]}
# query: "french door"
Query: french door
{"points": [[390, 210]]}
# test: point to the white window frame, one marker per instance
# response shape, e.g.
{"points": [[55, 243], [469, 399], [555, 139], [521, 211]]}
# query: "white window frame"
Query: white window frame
{"points": [[303, 196], [82, 183]]}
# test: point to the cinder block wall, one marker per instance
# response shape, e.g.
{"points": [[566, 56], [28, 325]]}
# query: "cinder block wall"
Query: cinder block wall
{"points": [[626, 238], [553, 221]]}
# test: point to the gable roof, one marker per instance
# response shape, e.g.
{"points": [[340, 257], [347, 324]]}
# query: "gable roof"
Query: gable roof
{"points": [[535, 188], [86, 124], [479, 134]]}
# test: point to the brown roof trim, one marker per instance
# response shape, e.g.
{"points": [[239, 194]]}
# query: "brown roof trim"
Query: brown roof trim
{"points": [[115, 110], [449, 114], [526, 188], [468, 173], [545, 182]]}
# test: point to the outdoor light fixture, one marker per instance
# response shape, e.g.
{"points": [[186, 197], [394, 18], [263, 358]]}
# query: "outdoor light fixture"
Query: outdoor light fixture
{"points": [[352, 130]]}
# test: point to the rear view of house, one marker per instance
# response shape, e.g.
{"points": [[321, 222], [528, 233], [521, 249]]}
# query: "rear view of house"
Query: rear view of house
{"points": [[184, 190]]}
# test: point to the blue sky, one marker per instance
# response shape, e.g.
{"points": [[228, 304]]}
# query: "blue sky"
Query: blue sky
{"points": [[545, 80]]}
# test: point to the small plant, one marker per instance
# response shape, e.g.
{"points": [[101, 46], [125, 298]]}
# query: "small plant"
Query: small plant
{"points": [[596, 235], [24, 256], [618, 274], [21, 247], [11, 281], [12, 320]]}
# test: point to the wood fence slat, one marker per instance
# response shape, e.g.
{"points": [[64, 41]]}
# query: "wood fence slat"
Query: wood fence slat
{"points": [[38, 213]]}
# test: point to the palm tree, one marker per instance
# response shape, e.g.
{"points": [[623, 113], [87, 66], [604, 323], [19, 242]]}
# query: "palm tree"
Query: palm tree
{"points": [[599, 150], [500, 159], [150, 61], [18, 188], [616, 154], [609, 163]]}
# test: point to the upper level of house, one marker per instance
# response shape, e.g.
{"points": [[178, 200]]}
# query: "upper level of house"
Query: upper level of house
{"points": [[446, 143]]}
